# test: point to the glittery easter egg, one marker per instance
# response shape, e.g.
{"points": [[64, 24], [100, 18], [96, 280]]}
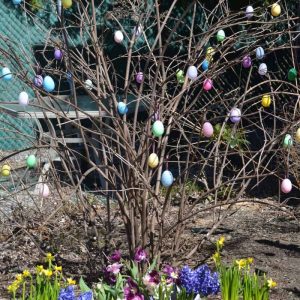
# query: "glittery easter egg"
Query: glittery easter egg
{"points": [[205, 65], [5, 170], [287, 141], [66, 4], [23, 99], [286, 186], [118, 36], [6, 74], [297, 135], [44, 190], [31, 161], [38, 80], [221, 35], [235, 115], [249, 11], [192, 72], [48, 84], [262, 69], [247, 62], [180, 76], [266, 101], [275, 10], [210, 53], [153, 160], [158, 128], [292, 74], [122, 108], [207, 84], [139, 77], [207, 129], [260, 53], [16, 2], [167, 178], [58, 54]]}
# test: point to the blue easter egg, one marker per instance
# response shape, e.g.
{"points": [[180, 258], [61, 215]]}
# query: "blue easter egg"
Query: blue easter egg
{"points": [[48, 84], [260, 53], [6, 74], [205, 65], [122, 108], [16, 2], [167, 178]]}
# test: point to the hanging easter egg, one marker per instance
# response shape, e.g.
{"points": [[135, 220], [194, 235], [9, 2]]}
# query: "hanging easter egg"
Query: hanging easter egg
{"points": [[235, 115], [207, 129], [48, 84], [247, 62], [122, 108], [286, 186], [88, 84], [221, 35], [23, 99], [275, 10], [266, 101], [153, 160], [207, 84], [139, 77], [262, 69], [66, 4], [192, 72], [249, 11], [297, 136], [158, 128], [38, 81], [44, 190], [180, 76], [292, 74], [260, 53], [5, 170], [210, 53], [16, 2], [205, 65], [167, 178], [31, 161], [287, 141], [58, 54], [118, 36], [6, 74]]}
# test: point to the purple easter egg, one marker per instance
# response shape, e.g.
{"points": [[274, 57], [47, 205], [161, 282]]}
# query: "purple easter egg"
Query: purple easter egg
{"points": [[247, 62], [235, 115], [139, 77], [207, 129], [38, 80], [58, 54]]}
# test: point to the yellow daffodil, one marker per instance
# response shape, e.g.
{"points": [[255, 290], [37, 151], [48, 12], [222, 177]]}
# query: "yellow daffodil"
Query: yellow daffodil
{"points": [[216, 257], [250, 260], [271, 283], [220, 242], [242, 263], [58, 268], [19, 277], [48, 273], [26, 273], [39, 269], [49, 257], [71, 281], [13, 287]]}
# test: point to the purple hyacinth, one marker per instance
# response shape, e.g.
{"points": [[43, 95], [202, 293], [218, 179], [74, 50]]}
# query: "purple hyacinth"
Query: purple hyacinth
{"points": [[140, 255], [200, 281], [67, 293], [131, 291], [116, 256], [86, 296]]}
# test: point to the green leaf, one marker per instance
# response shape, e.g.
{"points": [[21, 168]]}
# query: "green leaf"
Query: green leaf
{"points": [[83, 286]]}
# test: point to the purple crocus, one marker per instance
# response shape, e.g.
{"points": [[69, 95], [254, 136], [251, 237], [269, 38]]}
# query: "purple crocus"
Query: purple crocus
{"points": [[116, 256], [131, 291], [140, 255], [171, 274], [114, 268]]}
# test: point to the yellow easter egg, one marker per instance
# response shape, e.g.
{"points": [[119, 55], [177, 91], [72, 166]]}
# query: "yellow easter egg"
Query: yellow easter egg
{"points": [[297, 136], [5, 170], [275, 10], [266, 101], [209, 53], [66, 3], [153, 160]]}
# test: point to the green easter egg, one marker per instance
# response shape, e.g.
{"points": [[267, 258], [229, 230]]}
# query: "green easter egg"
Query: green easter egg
{"points": [[180, 76], [31, 161], [288, 141], [221, 35], [158, 128], [292, 74]]}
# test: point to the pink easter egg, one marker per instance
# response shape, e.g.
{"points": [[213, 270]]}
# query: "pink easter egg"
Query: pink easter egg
{"points": [[207, 84], [139, 77], [44, 190], [286, 186], [207, 129]]}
